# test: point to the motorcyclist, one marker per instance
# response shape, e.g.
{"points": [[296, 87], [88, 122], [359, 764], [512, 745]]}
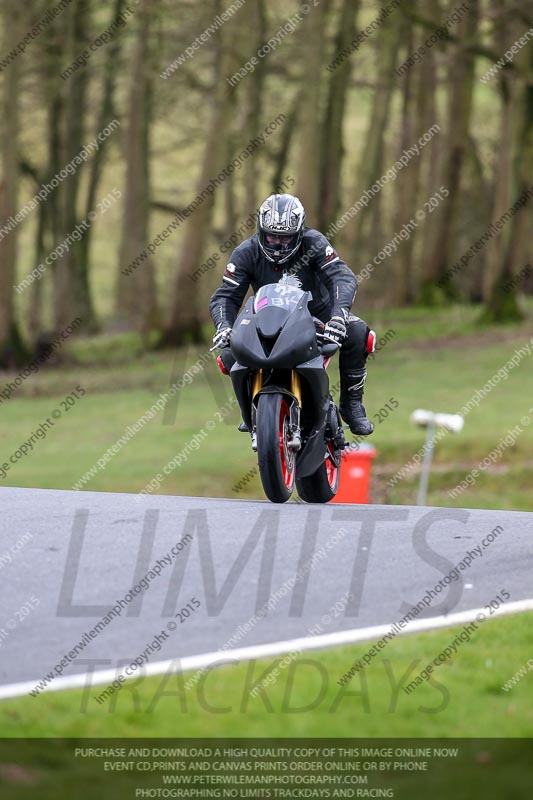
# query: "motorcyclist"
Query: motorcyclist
{"points": [[283, 245]]}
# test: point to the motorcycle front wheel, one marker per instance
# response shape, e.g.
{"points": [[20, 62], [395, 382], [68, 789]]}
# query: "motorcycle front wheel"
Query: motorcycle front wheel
{"points": [[322, 485], [276, 461]]}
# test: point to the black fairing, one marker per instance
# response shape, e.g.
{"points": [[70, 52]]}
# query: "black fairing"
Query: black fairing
{"points": [[274, 337], [275, 332]]}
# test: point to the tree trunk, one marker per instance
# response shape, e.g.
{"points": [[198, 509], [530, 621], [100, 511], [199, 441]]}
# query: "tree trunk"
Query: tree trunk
{"points": [[254, 30], [287, 135], [72, 298], [310, 140], [460, 93], [12, 350], [49, 218], [136, 292], [371, 164], [333, 124], [432, 168], [502, 190], [502, 303], [103, 118], [187, 314], [417, 116]]}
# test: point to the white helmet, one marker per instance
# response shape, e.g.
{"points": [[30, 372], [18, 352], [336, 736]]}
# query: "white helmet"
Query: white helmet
{"points": [[280, 227]]}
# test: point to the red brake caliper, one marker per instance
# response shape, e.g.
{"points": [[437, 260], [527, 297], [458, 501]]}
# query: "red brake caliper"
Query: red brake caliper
{"points": [[331, 469]]}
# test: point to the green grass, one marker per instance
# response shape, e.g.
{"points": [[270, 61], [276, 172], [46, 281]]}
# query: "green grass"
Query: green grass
{"points": [[464, 697], [122, 382]]}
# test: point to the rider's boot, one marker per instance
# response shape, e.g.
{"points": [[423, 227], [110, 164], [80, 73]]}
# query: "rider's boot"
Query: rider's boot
{"points": [[351, 407]]}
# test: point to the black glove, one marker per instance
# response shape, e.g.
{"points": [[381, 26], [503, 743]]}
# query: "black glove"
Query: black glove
{"points": [[335, 331], [222, 336]]}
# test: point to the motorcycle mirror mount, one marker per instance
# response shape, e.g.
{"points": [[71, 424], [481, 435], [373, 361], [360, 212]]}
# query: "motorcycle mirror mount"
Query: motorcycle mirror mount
{"points": [[329, 349]]}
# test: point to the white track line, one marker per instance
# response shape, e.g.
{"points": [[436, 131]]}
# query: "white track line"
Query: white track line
{"points": [[265, 650]]}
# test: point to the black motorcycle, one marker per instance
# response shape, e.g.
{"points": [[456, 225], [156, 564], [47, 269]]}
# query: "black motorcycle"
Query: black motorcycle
{"points": [[282, 387]]}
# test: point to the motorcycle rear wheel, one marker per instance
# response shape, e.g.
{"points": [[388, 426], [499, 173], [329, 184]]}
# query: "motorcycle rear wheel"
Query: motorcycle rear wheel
{"points": [[276, 462]]}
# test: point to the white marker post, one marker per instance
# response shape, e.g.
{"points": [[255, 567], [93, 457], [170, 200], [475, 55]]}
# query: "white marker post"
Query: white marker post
{"points": [[428, 419]]}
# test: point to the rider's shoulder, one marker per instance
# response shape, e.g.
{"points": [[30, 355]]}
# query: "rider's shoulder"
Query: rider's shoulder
{"points": [[312, 236], [315, 245], [248, 249]]}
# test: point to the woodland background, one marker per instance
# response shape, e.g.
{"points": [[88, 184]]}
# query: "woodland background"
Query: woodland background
{"points": [[137, 321], [344, 127]]}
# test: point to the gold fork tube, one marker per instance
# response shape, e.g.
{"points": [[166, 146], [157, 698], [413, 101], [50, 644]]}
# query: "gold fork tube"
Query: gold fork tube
{"points": [[258, 383], [296, 387]]}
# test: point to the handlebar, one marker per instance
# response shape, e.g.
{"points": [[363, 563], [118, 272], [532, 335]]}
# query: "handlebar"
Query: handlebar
{"points": [[327, 349]]}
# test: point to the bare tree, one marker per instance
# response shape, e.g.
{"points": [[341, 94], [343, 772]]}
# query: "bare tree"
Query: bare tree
{"points": [[255, 25], [513, 185], [332, 129], [12, 350], [460, 94], [418, 115], [310, 140], [371, 162], [187, 315], [136, 292], [71, 296]]}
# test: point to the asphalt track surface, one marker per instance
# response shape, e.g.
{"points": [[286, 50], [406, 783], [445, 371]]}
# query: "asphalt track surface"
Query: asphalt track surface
{"points": [[83, 551]]}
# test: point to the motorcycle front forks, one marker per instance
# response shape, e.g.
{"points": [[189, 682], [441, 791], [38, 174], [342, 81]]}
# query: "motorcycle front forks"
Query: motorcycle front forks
{"points": [[295, 442]]}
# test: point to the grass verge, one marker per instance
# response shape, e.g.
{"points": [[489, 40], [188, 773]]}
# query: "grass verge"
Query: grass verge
{"points": [[464, 697]]}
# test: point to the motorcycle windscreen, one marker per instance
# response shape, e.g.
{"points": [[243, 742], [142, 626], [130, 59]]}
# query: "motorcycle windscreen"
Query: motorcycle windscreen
{"points": [[273, 305], [296, 343], [289, 331]]}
